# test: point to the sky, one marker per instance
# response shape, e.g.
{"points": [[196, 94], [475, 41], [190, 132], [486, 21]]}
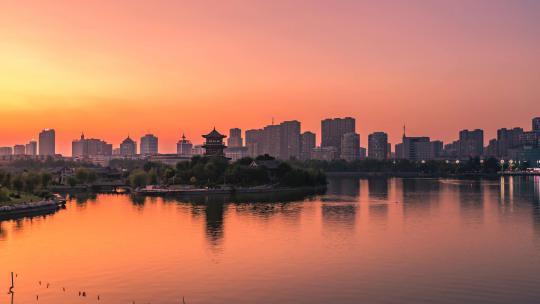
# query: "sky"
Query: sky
{"points": [[117, 68]]}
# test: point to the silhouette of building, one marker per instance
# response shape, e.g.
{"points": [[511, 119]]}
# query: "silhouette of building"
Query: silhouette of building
{"points": [[214, 143], [149, 145], [47, 142], [324, 153], [198, 150], [31, 148], [6, 151], [332, 131], [350, 146], [414, 148], [307, 144], [536, 124], [471, 143], [236, 153], [289, 143], [508, 141], [254, 142], [235, 138], [90, 147], [491, 149], [184, 147], [378, 145], [271, 140], [128, 147], [19, 150]]}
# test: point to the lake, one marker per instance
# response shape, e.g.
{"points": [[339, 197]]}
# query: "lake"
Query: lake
{"points": [[364, 241]]}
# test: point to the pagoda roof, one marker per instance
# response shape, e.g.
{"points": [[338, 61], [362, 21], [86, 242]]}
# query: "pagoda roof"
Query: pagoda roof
{"points": [[214, 134]]}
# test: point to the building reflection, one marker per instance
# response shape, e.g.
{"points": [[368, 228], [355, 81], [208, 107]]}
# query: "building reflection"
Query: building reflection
{"points": [[289, 210], [378, 188], [338, 216], [214, 214], [344, 189], [418, 196], [471, 201]]}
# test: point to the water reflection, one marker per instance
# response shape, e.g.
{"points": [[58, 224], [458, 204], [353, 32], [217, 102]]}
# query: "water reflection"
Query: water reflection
{"points": [[416, 237], [342, 189], [337, 216], [378, 188], [471, 201]]}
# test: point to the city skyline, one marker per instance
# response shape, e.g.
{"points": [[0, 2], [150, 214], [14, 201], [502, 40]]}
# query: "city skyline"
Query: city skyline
{"points": [[180, 67], [288, 140]]}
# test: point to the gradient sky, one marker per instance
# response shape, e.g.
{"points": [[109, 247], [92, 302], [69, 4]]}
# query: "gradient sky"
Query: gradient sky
{"points": [[112, 68]]}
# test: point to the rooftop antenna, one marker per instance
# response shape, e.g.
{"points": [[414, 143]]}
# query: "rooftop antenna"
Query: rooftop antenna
{"points": [[404, 131], [272, 120]]}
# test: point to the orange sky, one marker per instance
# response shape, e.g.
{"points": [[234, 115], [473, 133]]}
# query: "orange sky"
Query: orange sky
{"points": [[131, 67]]}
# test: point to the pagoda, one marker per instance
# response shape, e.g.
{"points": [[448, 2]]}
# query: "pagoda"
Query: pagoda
{"points": [[214, 143]]}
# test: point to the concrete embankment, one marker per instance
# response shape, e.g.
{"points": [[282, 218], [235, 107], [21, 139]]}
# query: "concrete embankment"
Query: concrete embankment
{"points": [[30, 207]]}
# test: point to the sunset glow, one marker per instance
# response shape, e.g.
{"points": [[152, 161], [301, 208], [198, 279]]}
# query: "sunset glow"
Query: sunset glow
{"points": [[113, 68]]}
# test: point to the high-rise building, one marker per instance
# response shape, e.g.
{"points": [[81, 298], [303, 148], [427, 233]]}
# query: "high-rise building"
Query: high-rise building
{"points": [[332, 131], [90, 147], [471, 143], [436, 149], [536, 124], [6, 151], [414, 148], [378, 145], [214, 143], [324, 153], [289, 144], [149, 145], [254, 142], [32, 148], [19, 150], [307, 144], [508, 139], [184, 147], [128, 147], [271, 140], [350, 146], [235, 138], [491, 149], [47, 142]]}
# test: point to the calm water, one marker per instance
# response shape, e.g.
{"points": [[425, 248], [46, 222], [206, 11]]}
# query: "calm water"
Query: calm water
{"points": [[365, 241]]}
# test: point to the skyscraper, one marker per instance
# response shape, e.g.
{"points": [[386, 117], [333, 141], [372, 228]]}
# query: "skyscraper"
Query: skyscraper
{"points": [[289, 140], [332, 131], [536, 124], [235, 138], [350, 146], [378, 145], [508, 139], [90, 147], [307, 144], [271, 140], [31, 148], [128, 147], [414, 148], [184, 147], [254, 142], [47, 142], [149, 145], [471, 143]]}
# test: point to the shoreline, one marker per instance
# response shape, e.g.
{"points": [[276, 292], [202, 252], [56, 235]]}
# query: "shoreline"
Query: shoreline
{"points": [[228, 191], [29, 208], [409, 175]]}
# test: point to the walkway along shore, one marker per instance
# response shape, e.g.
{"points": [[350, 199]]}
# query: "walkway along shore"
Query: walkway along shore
{"points": [[26, 208]]}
